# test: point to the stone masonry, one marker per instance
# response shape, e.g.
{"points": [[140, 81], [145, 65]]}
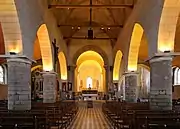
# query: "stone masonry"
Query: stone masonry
{"points": [[131, 87], [161, 83], [49, 87], [19, 84]]}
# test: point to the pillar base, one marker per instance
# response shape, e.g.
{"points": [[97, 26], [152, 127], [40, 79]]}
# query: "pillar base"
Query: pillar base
{"points": [[131, 87], [49, 87], [161, 83], [19, 80]]}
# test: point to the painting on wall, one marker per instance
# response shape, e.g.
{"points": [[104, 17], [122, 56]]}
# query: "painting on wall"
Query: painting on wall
{"points": [[64, 87], [69, 86]]}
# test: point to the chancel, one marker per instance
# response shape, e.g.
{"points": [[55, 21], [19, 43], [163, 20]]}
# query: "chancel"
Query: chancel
{"points": [[89, 64]]}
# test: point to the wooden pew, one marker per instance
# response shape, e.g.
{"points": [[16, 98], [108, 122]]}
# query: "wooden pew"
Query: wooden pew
{"points": [[138, 116], [42, 116]]}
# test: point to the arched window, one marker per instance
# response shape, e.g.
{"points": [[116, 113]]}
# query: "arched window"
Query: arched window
{"points": [[89, 82], [176, 76], [1, 75]]}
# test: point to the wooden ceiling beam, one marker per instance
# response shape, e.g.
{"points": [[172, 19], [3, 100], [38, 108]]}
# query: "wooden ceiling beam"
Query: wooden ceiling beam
{"points": [[88, 38], [61, 6], [93, 26]]}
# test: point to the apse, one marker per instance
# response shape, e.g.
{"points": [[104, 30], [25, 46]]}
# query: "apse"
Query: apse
{"points": [[90, 72]]}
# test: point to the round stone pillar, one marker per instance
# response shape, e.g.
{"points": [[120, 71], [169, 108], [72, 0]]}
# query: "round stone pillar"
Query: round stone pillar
{"points": [[49, 87], [161, 83], [71, 76], [131, 87], [19, 83], [107, 83]]}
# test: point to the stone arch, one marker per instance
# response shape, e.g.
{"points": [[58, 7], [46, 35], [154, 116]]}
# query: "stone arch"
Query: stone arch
{"points": [[36, 67], [117, 63], [144, 66], [167, 26], [91, 48], [10, 21], [135, 42], [63, 65], [45, 47], [2, 45]]}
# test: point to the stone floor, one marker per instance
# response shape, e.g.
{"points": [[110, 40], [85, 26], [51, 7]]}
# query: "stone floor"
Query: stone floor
{"points": [[90, 118]]}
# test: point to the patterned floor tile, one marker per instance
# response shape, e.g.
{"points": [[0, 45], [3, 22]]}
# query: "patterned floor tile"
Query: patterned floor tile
{"points": [[90, 118]]}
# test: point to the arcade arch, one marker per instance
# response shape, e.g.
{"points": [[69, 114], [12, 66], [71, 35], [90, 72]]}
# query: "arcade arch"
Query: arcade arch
{"points": [[90, 65], [45, 48], [135, 42], [117, 63], [168, 23], [63, 65], [10, 21]]}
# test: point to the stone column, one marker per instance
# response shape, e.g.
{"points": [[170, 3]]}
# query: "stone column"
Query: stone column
{"points": [[107, 85], [19, 84], [131, 87], [161, 83], [71, 74], [49, 87]]}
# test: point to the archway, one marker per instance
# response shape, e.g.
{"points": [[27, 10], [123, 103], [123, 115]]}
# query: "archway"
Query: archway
{"points": [[167, 27], [90, 65], [63, 66], [117, 63], [45, 48], [10, 21], [135, 43], [91, 48], [2, 45]]}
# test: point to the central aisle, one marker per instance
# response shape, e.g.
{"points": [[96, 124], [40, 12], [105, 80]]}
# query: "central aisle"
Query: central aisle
{"points": [[90, 118]]}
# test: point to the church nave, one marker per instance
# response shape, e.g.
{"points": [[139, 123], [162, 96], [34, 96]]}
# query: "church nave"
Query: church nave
{"points": [[90, 118]]}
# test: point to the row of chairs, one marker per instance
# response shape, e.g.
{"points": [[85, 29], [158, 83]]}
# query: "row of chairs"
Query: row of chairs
{"points": [[42, 116], [138, 116]]}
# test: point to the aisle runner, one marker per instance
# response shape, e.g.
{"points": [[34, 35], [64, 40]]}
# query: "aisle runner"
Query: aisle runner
{"points": [[90, 118]]}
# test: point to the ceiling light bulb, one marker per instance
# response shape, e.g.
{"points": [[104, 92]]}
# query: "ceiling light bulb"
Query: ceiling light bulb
{"points": [[72, 27], [79, 27], [102, 28], [109, 28]]}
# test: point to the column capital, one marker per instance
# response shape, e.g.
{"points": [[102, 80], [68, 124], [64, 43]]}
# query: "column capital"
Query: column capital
{"points": [[20, 58], [71, 67], [108, 67], [49, 73], [160, 58], [131, 73]]}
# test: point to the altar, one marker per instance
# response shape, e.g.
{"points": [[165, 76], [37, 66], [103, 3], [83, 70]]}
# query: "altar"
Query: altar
{"points": [[89, 94]]}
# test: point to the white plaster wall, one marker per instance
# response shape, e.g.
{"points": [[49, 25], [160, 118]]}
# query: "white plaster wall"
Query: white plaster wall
{"points": [[75, 45], [147, 13]]}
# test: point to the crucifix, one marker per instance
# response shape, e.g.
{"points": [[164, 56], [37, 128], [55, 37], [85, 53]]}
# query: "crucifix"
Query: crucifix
{"points": [[55, 48]]}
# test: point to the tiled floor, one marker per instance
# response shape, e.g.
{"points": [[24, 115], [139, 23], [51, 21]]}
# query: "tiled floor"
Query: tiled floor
{"points": [[90, 118]]}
